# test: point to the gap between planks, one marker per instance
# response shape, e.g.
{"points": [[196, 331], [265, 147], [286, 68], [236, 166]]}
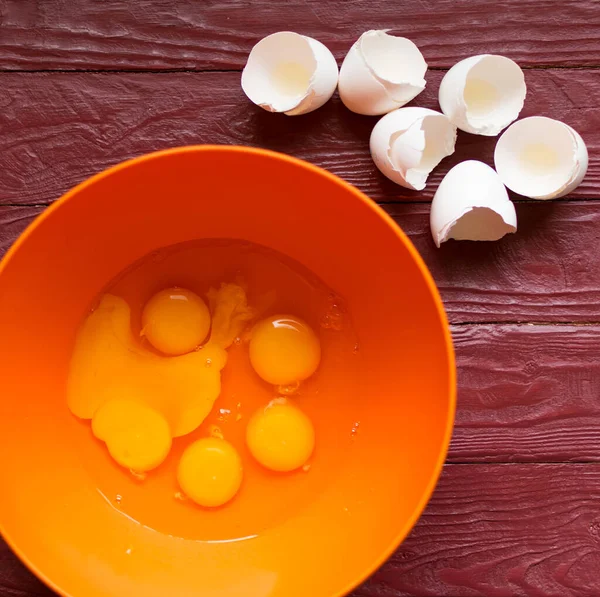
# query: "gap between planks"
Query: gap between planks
{"points": [[383, 205], [530, 323], [548, 463], [235, 70]]}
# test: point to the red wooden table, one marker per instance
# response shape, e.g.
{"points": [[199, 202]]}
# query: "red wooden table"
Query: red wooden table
{"points": [[85, 84]]}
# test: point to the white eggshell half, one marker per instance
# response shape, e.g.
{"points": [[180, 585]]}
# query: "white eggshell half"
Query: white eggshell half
{"points": [[483, 94], [290, 73], [380, 73], [408, 143], [471, 203], [541, 158]]}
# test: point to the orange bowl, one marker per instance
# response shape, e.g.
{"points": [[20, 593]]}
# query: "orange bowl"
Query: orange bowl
{"points": [[51, 512]]}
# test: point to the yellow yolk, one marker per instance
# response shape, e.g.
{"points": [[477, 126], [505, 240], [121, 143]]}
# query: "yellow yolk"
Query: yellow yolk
{"points": [[136, 436], [284, 350], [281, 437], [175, 321], [210, 472], [108, 363]]}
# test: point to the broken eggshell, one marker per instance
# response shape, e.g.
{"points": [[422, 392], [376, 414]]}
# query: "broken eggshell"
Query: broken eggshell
{"points": [[483, 94], [290, 73], [541, 158], [380, 73], [471, 203], [408, 143]]}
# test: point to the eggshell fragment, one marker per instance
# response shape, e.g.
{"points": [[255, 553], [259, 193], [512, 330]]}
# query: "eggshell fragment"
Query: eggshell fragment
{"points": [[541, 158], [483, 94], [471, 203], [407, 144], [380, 73], [290, 73]]}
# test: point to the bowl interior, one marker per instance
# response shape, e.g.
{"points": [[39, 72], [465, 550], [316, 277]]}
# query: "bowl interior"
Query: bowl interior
{"points": [[51, 511]]}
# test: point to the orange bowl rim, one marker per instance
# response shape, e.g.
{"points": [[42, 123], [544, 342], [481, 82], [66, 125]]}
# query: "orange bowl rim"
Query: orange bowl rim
{"points": [[370, 204]]}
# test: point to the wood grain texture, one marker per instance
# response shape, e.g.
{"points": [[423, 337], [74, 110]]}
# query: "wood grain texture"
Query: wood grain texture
{"points": [[502, 531], [527, 393], [208, 35], [15, 579], [13, 220], [489, 530], [60, 128], [548, 271]]}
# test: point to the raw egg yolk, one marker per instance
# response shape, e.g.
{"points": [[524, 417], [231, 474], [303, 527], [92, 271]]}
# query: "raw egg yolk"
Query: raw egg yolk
{"points": [[136, 436], [175, 321], [109, 363], [284, 350], [210, 472], [280, 436]]}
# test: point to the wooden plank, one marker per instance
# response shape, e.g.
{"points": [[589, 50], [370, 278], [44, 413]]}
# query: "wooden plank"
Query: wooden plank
{"points": [[60, 128], [547, 272], [13, 220], [527, 393], [501, 531], [494, 530], [157, 34], [16, 580]]}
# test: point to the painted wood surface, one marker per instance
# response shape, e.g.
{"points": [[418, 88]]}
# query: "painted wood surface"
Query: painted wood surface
{"points": [[218, 34], [548, 272], [516, 512], [60, 128], [501, 531]]}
